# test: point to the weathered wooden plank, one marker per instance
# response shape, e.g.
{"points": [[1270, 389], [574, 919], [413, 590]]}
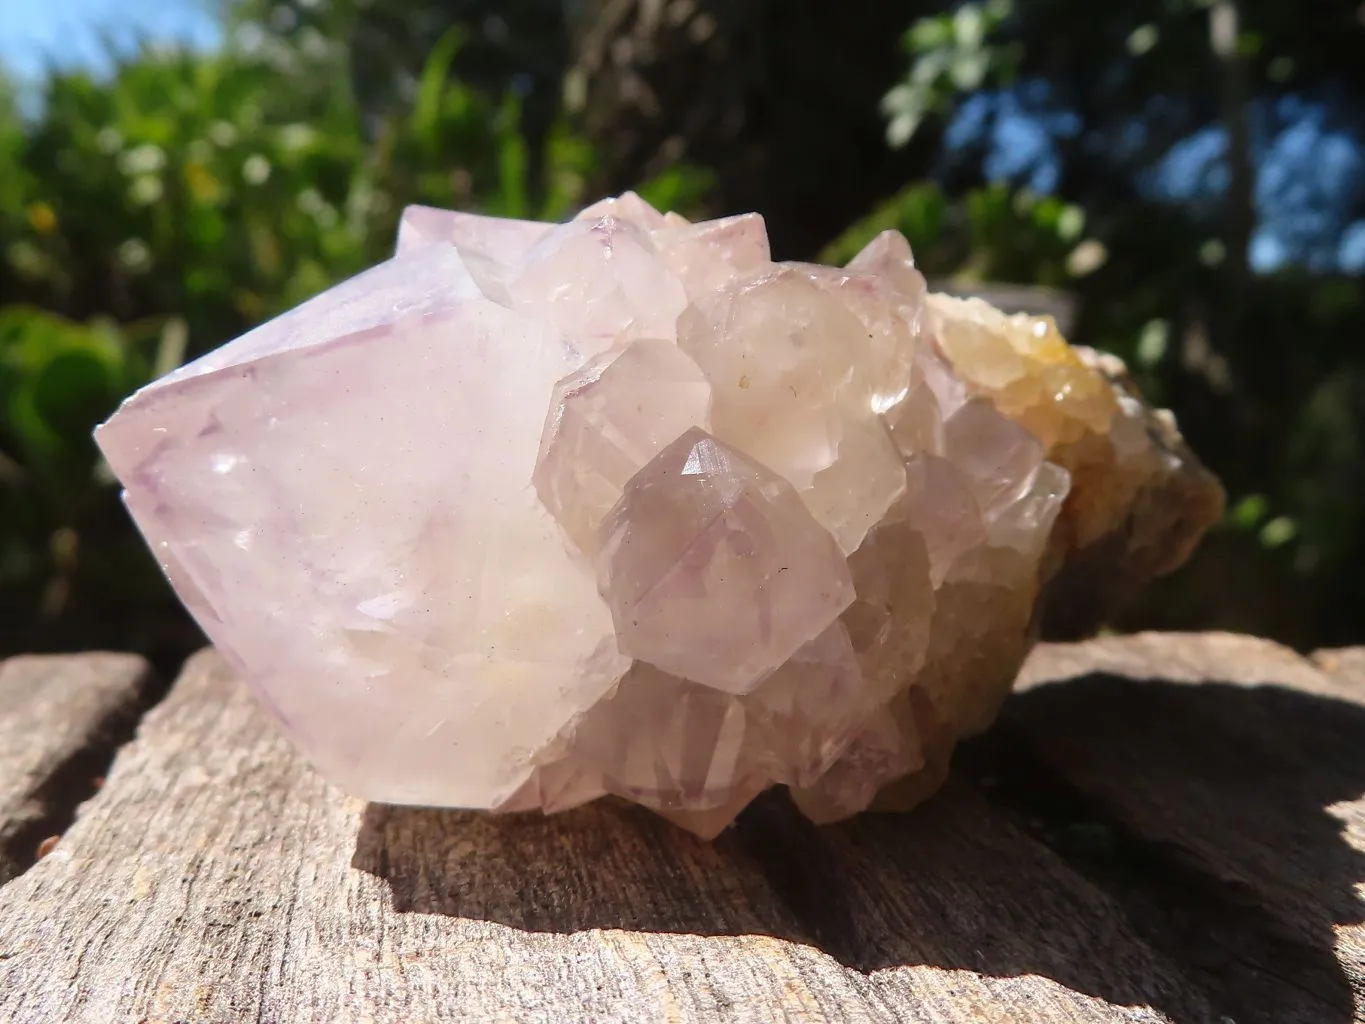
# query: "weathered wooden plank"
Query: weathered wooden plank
{"points": [[216, 879], [60, 720], [1215, 786], [1346, 667]]}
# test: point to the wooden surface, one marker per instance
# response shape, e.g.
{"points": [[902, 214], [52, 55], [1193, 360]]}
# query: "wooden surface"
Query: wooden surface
{"points": [[1160, 828], [60, 721]]}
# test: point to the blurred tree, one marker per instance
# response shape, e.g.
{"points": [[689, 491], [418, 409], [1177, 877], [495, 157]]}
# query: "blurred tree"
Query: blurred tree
{"points": [[1214, 151], [777, 98], [502, 49]]}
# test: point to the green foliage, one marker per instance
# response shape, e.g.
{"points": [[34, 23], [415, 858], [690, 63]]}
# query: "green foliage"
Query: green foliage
{"points": [[950, 54], [206, 185], [65, 551], [992, 233]]}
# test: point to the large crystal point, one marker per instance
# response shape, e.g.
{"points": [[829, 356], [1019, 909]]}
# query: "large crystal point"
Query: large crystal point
{"points": [[535, 513], [396, 594], [789, 364]]}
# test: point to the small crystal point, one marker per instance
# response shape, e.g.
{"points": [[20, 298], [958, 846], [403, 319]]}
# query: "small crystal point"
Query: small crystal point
{"points": [[627, 207], [599, 281], [498, 239], [888, 258], [669, 743], [890, 746], [782, 354], [706, 256]]}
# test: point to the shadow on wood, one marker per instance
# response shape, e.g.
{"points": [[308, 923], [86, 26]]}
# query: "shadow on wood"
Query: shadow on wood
{"points": [[1206, 819], [1214, 814]]}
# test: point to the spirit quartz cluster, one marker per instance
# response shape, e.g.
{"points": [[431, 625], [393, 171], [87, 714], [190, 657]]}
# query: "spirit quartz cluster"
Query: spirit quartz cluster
{"points": [[534, 513]]}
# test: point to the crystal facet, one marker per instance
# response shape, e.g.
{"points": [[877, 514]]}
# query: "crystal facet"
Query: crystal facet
{"points": [[531, 514], [609, 419], [714, 570]]}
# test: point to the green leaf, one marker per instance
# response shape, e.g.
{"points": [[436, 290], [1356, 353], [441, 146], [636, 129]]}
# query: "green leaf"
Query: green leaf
{"points": [[1142, 39], [1278, 532], [901, 128], [513, 167], [1151, 346], [74, 392], [1071, 223], [39, 445], [1248, 512], [969, 70], [170, 349], [930, 34], [969, 26], [431, 89]]}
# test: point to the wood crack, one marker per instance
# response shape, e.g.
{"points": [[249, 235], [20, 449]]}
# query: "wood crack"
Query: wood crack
{"points": [[53, 766]]}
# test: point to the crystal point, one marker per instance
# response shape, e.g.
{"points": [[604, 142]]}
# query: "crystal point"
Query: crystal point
{"points": [[713, 568], [606, 421], [497, 239], [782, 352], [599, 281], [385, 587]]}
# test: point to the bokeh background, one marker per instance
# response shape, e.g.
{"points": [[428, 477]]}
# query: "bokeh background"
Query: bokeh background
{"points": [[1181, 182]]}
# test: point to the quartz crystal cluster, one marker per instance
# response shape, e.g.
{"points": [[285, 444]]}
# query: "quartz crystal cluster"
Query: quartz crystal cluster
{"points": [[534, 513]]}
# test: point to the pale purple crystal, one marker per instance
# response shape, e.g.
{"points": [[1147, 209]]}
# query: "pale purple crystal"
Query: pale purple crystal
{"points": [[534, 513], [713, 569]]}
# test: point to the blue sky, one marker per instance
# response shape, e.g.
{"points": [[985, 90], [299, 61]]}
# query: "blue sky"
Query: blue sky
{"points": [[34, 33]]}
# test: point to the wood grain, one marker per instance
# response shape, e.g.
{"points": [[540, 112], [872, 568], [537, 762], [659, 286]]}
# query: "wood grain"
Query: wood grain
{"points": [[60, 720], [215, 878], [1216, 786], [1346, 667]]}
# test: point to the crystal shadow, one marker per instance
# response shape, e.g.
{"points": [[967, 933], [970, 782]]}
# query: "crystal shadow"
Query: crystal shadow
{"points": [[1192, 817]]}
